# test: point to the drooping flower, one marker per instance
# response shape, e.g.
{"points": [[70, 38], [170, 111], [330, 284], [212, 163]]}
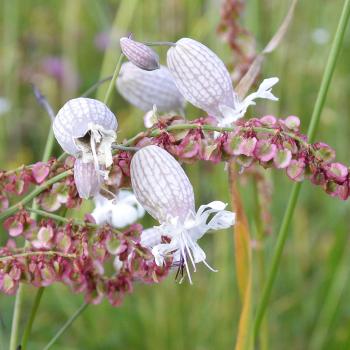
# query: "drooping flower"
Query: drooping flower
{"points": [[164, 190], [144, 89], [119, 212], [86, 128], [139, 54], [204, 81]]}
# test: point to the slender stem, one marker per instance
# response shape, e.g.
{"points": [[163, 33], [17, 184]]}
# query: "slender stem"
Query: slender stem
{"points": [[94, 87], [283, 232], [66, 325], [16, 318], [158, 43], [33, 312], [125, 148], [111, 86], [9, 211], [46, 214], [38, 253]]}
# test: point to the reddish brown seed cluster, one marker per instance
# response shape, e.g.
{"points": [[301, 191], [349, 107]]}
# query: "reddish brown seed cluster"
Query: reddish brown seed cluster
{"points": [[81, 254]]}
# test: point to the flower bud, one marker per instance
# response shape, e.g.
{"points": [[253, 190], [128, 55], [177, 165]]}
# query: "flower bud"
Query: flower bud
{"points": [[201, 76], [139, 54], [144, 89], [160, 184]]}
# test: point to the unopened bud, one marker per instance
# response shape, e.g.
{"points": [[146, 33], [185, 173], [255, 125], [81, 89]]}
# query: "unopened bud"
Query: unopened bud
{"points": [[139, 54]]}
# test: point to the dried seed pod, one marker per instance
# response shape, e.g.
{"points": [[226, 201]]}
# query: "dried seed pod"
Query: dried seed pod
{"points": [[161, 185], [139, 54], [144, 89], [86, 178], [74, 121], [201, 76]]}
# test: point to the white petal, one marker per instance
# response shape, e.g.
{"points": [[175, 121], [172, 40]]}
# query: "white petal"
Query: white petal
{"points": [[222, 220], [151, 237], [123, 215]]}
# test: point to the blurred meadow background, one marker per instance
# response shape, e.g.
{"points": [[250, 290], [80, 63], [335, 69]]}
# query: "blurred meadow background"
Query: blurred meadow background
{"points": [[64, 47]]}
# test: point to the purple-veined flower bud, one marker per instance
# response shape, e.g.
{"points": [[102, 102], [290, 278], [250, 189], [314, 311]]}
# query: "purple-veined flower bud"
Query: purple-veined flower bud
{"points": [[86, 178], [164, 190], [144, 89], [139, 54], [86, 128], [204, 81]]}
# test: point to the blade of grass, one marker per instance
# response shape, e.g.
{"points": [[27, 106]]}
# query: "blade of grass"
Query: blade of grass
{"points": [[66, 325], [320, 101]]}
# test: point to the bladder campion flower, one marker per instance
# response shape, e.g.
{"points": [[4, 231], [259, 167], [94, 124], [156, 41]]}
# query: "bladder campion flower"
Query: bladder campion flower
{"points": [[139, 54], [145, 89], [164, 190], [86, 129], [204, 81], [119, 212]]}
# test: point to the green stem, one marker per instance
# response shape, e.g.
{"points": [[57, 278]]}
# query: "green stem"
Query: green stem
{"points": [[38, 253], [33, 312], [283, 232], [111, 86], [66, 325], [94, 87], [16, 318], [158, 43]]}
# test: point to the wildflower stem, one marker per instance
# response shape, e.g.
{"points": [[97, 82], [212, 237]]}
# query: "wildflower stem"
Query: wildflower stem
{"points": [[283, 232], [11, 210], [66, 325], [33, 312], [38, 253], [111, 86], [94, 87], [16, 318], [158, 43]]}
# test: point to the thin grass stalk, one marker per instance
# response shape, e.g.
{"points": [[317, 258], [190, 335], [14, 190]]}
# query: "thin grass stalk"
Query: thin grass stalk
{"points": [[330, 303], [283, 232], [111, 86], [66, 325]]}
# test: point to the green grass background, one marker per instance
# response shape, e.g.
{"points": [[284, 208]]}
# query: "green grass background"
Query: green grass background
{"points": [[310, 306]]}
